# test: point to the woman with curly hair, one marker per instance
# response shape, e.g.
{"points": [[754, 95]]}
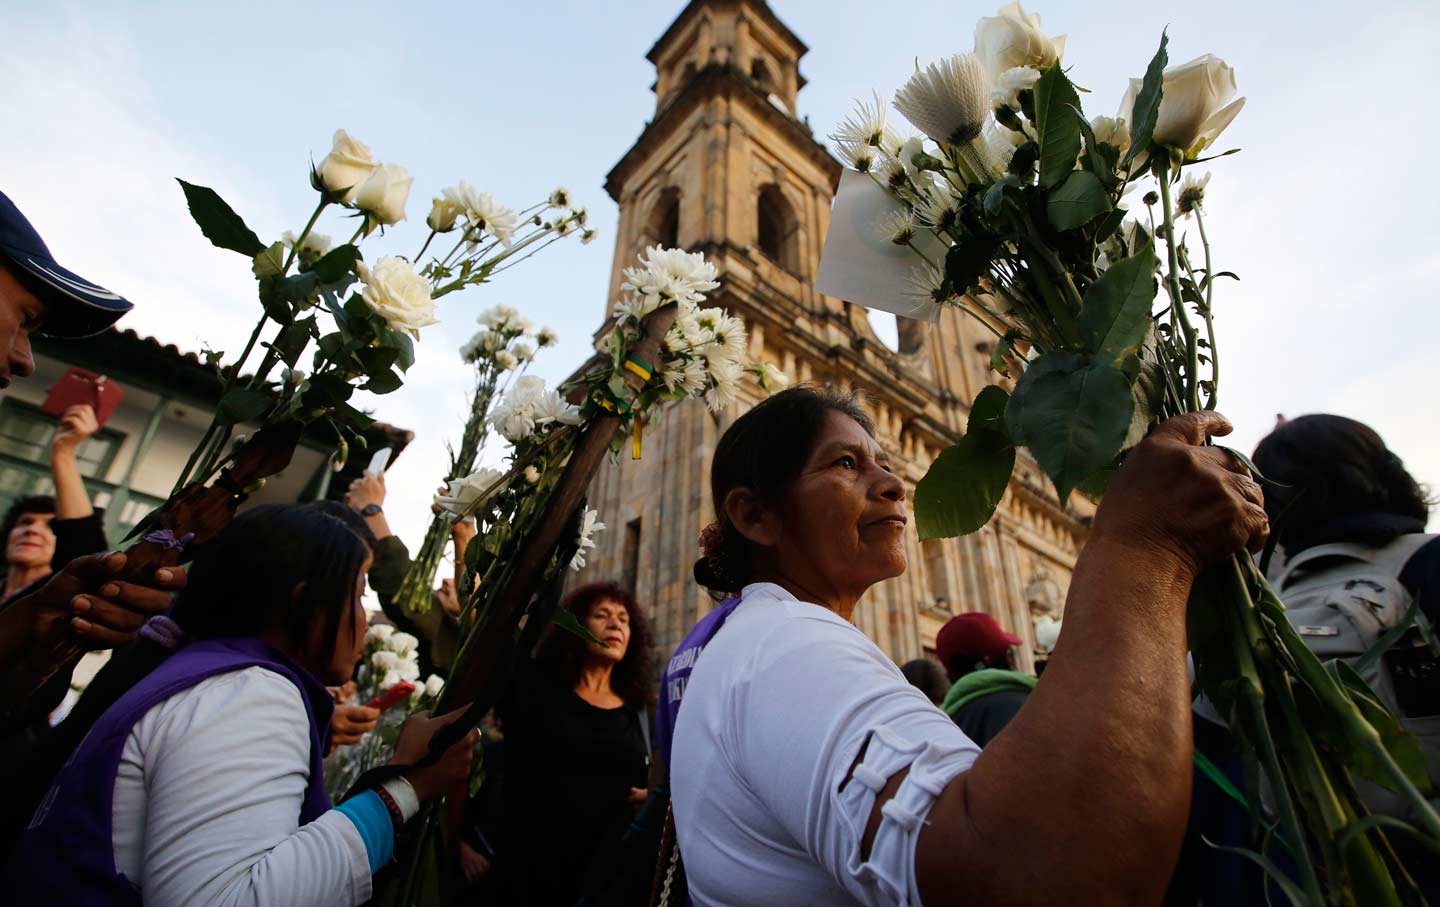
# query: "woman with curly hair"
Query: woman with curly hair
{"points": [[576, 747]]}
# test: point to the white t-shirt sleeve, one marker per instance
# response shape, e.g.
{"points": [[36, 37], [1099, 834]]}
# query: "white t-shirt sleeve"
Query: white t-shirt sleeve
{"points": [[208, 796], [814, 692]]}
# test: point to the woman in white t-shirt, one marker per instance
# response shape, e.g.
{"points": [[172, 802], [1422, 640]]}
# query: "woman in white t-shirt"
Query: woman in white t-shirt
{"points": [[805, 770]]}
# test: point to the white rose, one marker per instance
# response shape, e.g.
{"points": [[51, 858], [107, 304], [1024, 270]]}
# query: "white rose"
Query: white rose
{"points": [[396, 293], [443, 213], [384, 193], [1197, 102], [314, 247], [346, 166], [1010, 83], [403, 643], [1111, 131], [433, 685], [1012, 38], [384, 660]]}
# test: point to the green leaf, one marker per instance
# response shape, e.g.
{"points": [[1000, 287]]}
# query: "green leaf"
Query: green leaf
{"points": [[272, 300], [1402, 746], [219, 222], [995, 195], [964, 485], [1273, 872], [1056, 126], [403, 345], [567, 621], [1073, 413], [270, 262], [385, 382], [354, 418], [1147, 102], [242, 405], [1098, 158], [969, 259], [377, 358], [1249, 464], [337, 264], [1078, 200], [988, 410], [328, 390], [1022, 162], [292, 339], [1115, 318]]}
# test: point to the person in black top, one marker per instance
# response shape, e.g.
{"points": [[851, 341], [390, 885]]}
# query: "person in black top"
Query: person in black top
{"points": [[576, 749]]}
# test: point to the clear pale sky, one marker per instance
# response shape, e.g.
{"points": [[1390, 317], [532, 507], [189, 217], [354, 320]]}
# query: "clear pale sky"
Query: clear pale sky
{"points": [[1328, 215]]}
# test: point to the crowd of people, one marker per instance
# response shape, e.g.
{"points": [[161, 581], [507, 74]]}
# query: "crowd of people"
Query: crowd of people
{"points": [[781, 758]]}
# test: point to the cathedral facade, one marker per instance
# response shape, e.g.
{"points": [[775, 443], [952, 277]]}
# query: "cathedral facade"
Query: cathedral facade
{"points": [[727, 168]]}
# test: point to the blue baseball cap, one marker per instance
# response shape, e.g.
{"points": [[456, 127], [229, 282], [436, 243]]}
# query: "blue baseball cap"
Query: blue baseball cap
{"points": [[74, 307]]}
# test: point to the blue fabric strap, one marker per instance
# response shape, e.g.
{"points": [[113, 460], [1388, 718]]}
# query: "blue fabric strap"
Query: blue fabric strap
{"points": [[370, 817]]}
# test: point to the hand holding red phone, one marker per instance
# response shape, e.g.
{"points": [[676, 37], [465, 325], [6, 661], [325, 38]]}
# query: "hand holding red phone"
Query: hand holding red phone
{"points": [[76, 424]]}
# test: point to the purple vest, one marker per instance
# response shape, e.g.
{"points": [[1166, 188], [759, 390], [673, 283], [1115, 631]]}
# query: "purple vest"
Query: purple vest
{"points": [[66, 855], [677, 672]]}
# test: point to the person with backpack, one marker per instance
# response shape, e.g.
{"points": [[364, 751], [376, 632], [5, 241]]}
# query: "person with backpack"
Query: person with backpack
{"points": [[1352, 561]]}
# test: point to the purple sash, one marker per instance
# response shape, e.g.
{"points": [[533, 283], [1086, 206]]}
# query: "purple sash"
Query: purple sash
{"points": [[67, 855], [677, 672]]}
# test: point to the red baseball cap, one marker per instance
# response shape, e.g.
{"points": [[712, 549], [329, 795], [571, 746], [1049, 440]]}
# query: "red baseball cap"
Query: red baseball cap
{"points": [[974, 634]]}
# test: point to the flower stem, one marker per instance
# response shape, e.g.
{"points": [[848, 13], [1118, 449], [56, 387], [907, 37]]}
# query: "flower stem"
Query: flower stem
{"points": [[1209, 314], [421, 253], [1172, 283], [300, 240]]}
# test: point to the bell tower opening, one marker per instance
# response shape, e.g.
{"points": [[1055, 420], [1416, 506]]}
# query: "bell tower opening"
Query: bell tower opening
{"points": [[776, 226]]}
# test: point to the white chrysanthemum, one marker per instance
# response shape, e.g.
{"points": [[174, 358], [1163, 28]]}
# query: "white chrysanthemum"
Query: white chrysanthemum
{"points": [[1000, 145], [671, 274], [948, 100], [588, 236], [893, 173], [433, 685], [403, 643], [560, 197], [390, 679], [546, 337], [634, 308], [897, 227], [460, 494], [485, 214], [384, 660], [858, 156], [292, 377], [524, 352], [588, 527], [729, 339], [1010, 83], [1047, 633], [582, 215], [938, 207], [725, 375], [1192, 194], [470, 350], [506, 360], [928, 284], [532, 475], [550, 408], [865, 126]]}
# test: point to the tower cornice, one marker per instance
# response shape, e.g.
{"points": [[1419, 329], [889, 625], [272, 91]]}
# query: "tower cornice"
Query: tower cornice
{"points": [[759, 7], [718, 79]]}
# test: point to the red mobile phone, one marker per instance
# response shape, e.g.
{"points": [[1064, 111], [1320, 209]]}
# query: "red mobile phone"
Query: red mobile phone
{"points": [[392, 697], [79, 386]]}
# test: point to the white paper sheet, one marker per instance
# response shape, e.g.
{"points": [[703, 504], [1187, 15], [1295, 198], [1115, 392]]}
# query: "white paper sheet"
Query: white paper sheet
{"points": [[861, 265]]}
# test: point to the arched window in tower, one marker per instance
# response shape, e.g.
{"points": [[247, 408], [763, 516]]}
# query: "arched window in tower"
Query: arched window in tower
{"points": [[776, 229], [760, 72], [664, 226], [688, 74]]}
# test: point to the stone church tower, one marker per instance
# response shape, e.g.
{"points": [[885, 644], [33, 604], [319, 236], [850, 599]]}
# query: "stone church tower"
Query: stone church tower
{"points": [[726, 167]]}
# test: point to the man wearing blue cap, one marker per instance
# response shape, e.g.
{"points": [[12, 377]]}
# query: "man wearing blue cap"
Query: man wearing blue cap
{"points": [[82, 603], [39, 296]]}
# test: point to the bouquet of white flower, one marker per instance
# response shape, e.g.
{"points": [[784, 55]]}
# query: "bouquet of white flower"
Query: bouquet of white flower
{"points": [[499, 352], [303, 281], [1011, 208]]}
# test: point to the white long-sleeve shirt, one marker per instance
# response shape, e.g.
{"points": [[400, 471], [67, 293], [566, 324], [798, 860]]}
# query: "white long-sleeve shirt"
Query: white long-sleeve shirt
{"points": [[207, 802]]}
